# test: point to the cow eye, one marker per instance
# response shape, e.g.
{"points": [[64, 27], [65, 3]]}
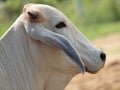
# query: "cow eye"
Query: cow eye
{"points": [[60, 25]]}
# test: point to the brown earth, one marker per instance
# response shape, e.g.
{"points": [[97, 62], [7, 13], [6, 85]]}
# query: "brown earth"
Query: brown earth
{"points": [[107, 78]]}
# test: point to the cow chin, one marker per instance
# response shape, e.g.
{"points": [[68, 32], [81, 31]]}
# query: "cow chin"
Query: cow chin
{"points": [[91, 72]]}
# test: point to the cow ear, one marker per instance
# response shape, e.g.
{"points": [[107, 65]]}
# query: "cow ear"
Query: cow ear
{"points": [[26, 6], [33, 14]]}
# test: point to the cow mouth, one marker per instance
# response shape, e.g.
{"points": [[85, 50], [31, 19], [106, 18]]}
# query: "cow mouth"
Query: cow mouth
{"points": [[89, 71]]}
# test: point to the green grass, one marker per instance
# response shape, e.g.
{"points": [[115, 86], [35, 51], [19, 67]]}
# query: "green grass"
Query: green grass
{"points": [[4, 27], [103, 29]]}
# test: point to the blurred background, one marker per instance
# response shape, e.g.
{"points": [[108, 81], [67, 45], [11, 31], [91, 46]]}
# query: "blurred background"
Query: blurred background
{"points": [[98, 20]]}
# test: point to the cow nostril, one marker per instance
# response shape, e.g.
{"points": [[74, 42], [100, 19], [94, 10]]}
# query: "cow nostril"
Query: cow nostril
{"points": [[103, 56]]}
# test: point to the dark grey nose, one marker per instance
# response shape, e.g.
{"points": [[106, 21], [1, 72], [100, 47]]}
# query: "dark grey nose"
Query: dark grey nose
{"points": [[103, 56]]}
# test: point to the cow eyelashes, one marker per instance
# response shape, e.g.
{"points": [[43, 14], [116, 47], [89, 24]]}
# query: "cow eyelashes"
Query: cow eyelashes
{"points": [[60, 25]]}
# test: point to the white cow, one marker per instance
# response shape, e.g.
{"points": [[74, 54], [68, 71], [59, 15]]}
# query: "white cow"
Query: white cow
{"points": [[43, 50]]}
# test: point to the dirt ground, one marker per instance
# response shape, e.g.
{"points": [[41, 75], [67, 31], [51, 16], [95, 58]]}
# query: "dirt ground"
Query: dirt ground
{"points": [[107, 78]]}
